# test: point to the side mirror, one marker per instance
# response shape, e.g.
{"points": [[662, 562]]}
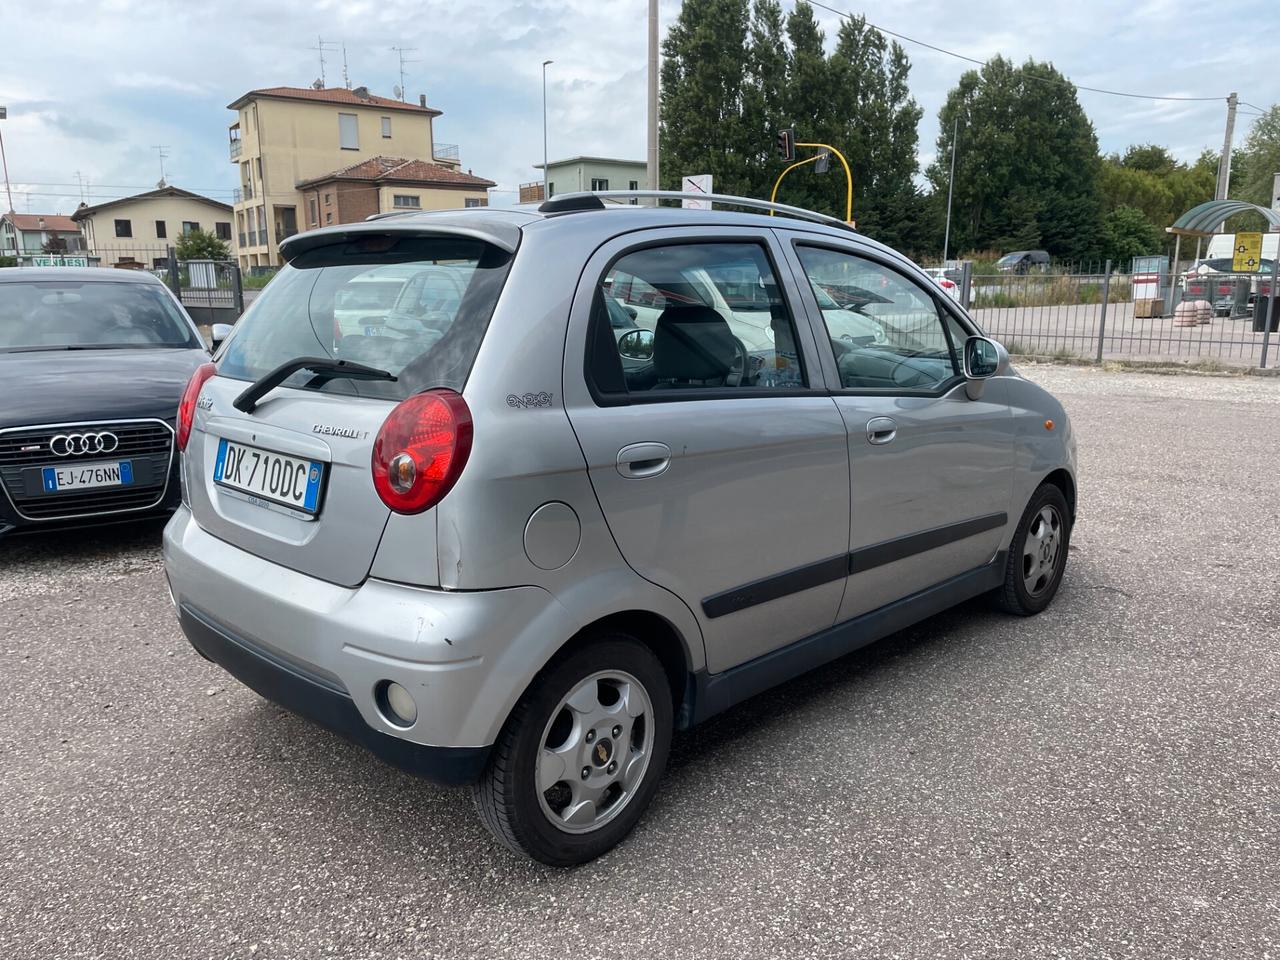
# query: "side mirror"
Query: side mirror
{"points": [[218, 333], [983, 359], [636, 345]]}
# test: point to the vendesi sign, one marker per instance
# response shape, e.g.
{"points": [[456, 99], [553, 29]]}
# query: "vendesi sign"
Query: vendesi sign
{"points": [[53, 261], [1248, 253]]}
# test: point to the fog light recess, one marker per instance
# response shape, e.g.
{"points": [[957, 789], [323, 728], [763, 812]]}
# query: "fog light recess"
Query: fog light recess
{"points": [[396, 704]]}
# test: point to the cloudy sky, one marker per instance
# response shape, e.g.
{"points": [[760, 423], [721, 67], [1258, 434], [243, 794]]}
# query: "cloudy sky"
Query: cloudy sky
{"points": [[93, 87]]}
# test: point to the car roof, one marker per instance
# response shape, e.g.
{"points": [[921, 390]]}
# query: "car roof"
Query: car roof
{"points": [[79, 274], [503, 226]]}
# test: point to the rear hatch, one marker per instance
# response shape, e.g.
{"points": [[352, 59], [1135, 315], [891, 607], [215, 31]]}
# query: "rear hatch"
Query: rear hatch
{"points": [[289, 479]]}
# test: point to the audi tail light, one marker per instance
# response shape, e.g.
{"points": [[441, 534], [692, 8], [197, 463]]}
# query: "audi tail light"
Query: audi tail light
{"points": [[421, 449], [187, 407]]}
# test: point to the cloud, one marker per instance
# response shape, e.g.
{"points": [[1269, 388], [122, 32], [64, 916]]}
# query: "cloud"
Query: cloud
{"points": [[134, 73]]}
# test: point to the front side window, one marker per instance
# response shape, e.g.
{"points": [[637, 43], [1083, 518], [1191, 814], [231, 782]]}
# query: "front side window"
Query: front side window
{"points": [[124, 228], [406, 201], [887, 331], [348, 131], [89, 315], [693, 317], [416, 307]]}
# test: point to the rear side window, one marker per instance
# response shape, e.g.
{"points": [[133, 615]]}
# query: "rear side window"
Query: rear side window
{"points": [[417, 307], [690, 318]]}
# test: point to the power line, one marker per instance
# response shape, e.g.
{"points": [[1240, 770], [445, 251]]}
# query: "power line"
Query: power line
{"points": [[983, 63]]}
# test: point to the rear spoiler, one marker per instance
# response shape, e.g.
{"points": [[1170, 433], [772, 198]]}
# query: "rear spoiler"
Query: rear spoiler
{"points": [[500, 232]]}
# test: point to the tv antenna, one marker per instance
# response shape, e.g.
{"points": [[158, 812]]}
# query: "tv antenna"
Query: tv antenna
{"points": [[401, 51], [160, 150], [321, 46], [346, 79]]}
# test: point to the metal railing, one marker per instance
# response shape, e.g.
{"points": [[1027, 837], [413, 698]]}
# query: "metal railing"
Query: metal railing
{"points": [[1221, 318], [262, 237], [445, 151], [235, 149]]}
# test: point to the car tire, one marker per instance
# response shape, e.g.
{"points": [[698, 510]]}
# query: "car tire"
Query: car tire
{"points": [[1037, 553], [580, 757]]}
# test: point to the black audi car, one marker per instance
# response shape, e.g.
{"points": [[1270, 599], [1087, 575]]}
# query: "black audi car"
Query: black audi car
{"points": [[93, 363]]}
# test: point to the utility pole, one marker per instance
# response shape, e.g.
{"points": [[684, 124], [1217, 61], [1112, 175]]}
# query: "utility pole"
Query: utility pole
{"points": [[951, 183], [1224, 163], [652, 159], [4, 161], [545, 64]]}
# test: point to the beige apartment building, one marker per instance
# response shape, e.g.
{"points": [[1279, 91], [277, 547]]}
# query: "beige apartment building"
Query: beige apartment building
{"points": [[287, 137], [138, 230]]}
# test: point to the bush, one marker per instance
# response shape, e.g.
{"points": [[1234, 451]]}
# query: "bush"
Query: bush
{"points": [[199, 245]]}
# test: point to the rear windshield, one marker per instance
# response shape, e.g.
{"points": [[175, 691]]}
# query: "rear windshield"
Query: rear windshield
{"points": [[416, 307], [89, 315]]}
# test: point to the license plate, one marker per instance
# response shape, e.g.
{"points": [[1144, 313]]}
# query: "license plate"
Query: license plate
{"points": [[83, 476], [289, 481]]}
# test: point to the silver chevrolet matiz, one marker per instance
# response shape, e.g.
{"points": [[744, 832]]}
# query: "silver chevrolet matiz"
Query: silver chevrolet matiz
{"points": [[599, 472]]}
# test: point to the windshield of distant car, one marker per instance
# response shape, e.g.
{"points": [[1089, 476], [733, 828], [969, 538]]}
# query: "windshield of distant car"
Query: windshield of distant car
{"points": [[40, 315], [1010, 258]]}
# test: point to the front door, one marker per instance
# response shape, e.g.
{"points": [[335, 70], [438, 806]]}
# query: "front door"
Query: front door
{"points": [[931, 470], [718, 457]]}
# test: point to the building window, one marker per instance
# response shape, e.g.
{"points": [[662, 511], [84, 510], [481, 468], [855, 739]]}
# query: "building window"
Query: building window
{"points": [[222, 231], [315, 212], [475, 202], [189, 226], [633, 185], [348, 131], [407, 201], [326, 199], [551, 189], [386, 128], [599, 184], [124, 228], [161, 231], [328, 218]]}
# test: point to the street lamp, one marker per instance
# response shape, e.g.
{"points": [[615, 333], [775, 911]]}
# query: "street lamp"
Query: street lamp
{"points": [[545, 64]]}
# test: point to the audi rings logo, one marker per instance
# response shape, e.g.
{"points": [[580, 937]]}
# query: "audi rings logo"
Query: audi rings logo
{"points": [[79, 444]]}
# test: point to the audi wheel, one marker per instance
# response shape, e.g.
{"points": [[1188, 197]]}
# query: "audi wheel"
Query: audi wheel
{"points": [[581, 755]]}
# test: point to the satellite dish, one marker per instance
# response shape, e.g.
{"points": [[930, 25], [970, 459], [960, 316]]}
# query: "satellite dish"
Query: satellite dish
{"points": [[398, 92]]}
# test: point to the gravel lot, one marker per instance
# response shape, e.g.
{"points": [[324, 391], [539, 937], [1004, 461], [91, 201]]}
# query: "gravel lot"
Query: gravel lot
{"points": [[1101, 781]]}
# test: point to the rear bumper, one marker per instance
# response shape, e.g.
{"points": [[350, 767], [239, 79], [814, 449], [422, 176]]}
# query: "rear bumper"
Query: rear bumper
{"points": [[323, 704], [323, 650]]}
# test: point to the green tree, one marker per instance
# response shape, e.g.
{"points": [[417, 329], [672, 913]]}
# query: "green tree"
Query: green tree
{"points": [[54, 244], [1027, 164], [199, 245], [1255, 165], [1127, 233], [703, 128]]}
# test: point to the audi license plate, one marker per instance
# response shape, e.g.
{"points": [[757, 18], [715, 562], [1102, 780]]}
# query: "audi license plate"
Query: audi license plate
{"points": [[82, 476], [272, 477]]}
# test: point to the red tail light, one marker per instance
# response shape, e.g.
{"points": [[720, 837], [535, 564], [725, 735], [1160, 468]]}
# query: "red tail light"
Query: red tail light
{"points": [[421, 450], [187, 408], [1224, 288]]}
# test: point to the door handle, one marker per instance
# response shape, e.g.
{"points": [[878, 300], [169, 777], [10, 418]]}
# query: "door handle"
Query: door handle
{"points": [[881, 430], [639, 460]]}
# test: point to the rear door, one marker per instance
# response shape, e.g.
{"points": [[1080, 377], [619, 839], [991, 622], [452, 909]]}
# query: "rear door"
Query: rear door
{"points": [[931, 470], [720, 464], [321, 426]]}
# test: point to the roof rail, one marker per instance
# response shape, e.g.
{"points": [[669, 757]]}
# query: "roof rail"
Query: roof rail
{"points": [[594, 200]]}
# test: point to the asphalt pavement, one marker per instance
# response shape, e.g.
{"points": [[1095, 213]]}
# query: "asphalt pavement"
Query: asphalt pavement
{"points": [[1101, 781]]}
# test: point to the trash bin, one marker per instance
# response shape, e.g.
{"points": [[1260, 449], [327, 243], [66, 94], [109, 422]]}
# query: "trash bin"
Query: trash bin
{"points": [[1260, 320]]}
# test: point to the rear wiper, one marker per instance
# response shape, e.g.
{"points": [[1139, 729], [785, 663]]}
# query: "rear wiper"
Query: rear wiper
{"points": [[327, 368]]}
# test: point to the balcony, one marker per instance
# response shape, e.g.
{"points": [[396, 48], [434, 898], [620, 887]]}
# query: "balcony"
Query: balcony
{"points": [[242, 193], [235, 148], [448, 152]]}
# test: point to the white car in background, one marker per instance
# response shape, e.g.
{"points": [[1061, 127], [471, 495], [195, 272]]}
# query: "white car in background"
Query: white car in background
{"points": [[939, 275]]}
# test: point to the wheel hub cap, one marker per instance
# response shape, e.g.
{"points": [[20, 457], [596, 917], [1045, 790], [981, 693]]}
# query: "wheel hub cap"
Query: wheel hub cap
{"points": [[595, 750], [1041, 551]]}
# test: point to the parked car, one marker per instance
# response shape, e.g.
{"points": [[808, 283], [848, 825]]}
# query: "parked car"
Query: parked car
{"points": [[518, 550], [92, 366], [1024, 261], [941, 278]]}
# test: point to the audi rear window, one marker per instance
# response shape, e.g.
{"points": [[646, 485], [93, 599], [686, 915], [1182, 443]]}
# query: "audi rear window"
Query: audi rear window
{"points": [[415, 306]]}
